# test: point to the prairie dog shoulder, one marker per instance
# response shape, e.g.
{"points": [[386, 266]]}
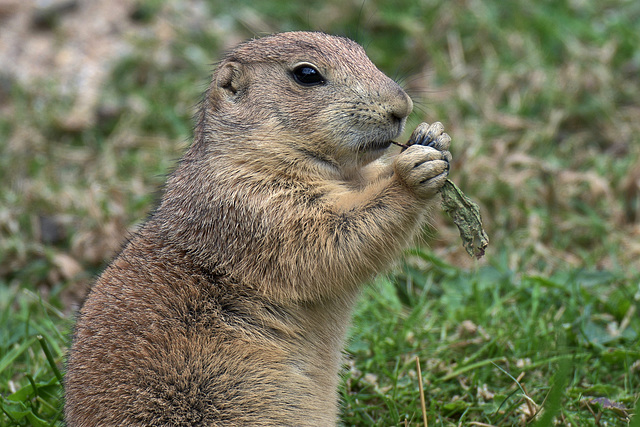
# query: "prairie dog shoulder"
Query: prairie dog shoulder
{"points": [[230, 306]]}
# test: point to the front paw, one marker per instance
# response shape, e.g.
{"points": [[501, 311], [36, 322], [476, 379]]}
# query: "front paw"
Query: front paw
{"points": [[422, 169], [432, 136]]}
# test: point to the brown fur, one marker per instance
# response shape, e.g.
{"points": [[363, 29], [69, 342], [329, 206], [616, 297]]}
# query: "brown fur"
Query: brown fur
{"points": [[230, 305]]}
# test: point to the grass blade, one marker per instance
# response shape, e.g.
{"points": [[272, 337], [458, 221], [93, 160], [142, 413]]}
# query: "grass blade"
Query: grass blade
{"points": [[13, 354], [47, 352]]}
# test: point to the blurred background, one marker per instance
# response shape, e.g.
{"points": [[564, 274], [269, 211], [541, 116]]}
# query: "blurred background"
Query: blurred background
{"points": [[541, 99]]}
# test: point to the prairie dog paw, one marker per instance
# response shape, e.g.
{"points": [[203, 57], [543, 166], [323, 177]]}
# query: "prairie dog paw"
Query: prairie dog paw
{"points": [[432, 135], [422, 169]]}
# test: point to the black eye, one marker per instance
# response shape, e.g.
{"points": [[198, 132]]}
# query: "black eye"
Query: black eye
{"points": [[307, 75]]}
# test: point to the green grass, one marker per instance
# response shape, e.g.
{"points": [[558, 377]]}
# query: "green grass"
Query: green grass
{"points": [[32, 350], [541, 100], [476, 331]]}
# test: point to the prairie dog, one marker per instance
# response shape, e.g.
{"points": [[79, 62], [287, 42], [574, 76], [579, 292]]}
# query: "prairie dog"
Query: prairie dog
{"points": [[231, 303]]}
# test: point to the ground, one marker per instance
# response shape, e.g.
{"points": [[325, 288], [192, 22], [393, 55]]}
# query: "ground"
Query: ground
{"points": [[541, 101]]}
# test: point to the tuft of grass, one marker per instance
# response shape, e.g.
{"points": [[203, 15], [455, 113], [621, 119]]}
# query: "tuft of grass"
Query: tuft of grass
{"points": [[31, 352], [498, 347]]}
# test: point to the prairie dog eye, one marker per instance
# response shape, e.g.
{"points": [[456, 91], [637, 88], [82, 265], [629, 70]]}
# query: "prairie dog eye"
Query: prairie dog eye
{"points": [[306, 74]]}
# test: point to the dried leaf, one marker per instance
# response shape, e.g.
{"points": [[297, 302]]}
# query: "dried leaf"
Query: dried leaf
{"points": [[466, 216]]}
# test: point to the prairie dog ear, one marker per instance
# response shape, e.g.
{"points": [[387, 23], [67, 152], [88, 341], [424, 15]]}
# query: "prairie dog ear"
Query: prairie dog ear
{"points": [[231, 79]]}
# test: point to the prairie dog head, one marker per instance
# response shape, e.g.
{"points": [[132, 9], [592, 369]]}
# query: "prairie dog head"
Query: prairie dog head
{"points": [[312, 92]]}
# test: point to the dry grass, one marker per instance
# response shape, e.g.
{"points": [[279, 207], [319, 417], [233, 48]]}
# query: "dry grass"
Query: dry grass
{"points": [[545, 136]]}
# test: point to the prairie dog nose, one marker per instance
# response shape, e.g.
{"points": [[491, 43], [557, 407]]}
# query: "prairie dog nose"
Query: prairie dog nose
{"points": [[401, 103]]}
